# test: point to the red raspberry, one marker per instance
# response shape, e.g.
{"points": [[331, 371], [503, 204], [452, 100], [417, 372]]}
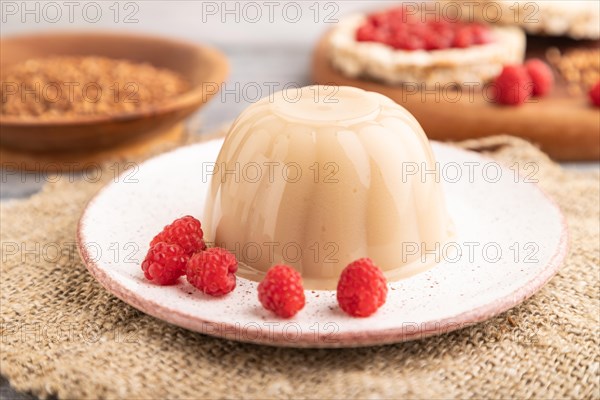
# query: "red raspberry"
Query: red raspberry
{"points": [[463, 38], [595, 94], [186, 232], [362, 288], [379, 19], [164, 263], [212, 271], [365, 33], [408, 31], [281, 291], [541, 75], [368, 33], [410, 42], [513, 85]]}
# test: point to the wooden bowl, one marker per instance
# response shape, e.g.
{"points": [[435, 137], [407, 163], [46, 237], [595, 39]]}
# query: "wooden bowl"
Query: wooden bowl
{"points": [[204, 68]]}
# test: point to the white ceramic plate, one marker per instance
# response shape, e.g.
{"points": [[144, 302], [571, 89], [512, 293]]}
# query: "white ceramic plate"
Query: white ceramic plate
{"points": [[512, 239]]}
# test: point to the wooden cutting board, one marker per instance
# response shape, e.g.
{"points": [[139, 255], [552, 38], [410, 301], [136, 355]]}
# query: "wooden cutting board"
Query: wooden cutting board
{"points": [[565, 126]]}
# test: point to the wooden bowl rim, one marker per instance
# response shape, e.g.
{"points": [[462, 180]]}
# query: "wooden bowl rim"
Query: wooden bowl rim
{"points": [[216, 62]]}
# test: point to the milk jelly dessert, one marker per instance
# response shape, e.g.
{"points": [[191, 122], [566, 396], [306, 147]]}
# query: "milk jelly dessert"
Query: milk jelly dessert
{"points": [[320, 176]]}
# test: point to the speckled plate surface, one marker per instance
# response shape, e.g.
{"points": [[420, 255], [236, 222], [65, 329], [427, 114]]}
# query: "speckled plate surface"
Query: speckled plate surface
{"points": [[511, 239]]}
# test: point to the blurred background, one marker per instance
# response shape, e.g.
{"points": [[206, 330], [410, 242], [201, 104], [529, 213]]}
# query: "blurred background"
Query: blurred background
{"points": [[268, 44], [265, 41]]}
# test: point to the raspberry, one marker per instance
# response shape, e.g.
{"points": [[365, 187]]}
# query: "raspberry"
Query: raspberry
{"points": [[366, 33], [595, 94], [541, 75], [513, 85], [481, 34], [185, 232], [463, 38], [212, 271], [281, 291], [362, 288], [164, 263], [435, 41], [403, 29], [409, 42]]}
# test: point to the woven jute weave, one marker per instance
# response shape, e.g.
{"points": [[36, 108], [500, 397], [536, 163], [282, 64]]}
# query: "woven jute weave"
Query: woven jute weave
{"points": [[64, 335]]}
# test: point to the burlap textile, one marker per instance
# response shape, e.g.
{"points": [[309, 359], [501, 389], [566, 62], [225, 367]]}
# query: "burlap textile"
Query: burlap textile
{"points": [[63, 334]]}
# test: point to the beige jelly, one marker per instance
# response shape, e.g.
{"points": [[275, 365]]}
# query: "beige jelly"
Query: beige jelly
{"points": [[320, 176]]}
